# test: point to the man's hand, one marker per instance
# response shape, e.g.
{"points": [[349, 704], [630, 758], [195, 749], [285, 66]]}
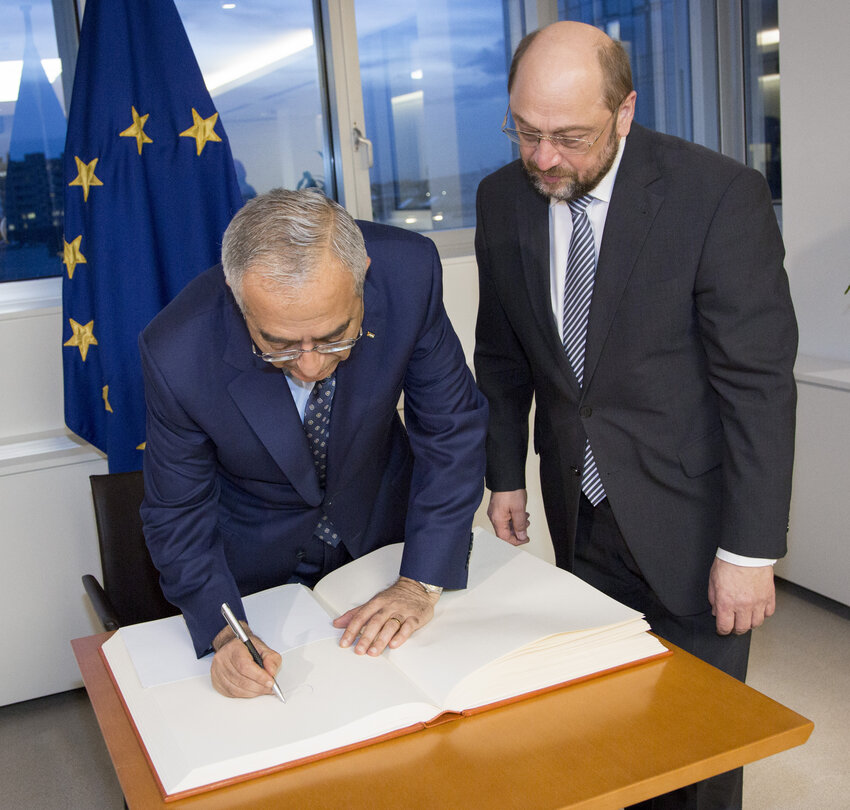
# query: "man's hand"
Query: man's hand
{"points": [[387, 619], [741, 597], [233, 671], [508, 516]]}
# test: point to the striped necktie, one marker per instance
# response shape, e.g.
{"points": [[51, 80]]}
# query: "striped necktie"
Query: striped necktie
{"points": [[317, 420], [578, 290]]}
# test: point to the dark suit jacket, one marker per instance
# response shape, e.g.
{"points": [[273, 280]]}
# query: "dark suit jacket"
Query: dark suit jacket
{"points": [[689, 397], [231, 493]]}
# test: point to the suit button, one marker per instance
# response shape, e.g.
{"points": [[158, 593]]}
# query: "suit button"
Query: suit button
{"points": [[574, 470], [585, 412], [300, 554]]}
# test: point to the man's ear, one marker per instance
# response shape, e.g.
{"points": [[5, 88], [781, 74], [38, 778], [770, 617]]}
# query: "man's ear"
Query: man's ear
{"points": [[368, 262]]}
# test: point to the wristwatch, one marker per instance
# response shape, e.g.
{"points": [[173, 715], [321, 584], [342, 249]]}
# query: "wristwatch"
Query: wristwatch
{"points": [[437, 589]]}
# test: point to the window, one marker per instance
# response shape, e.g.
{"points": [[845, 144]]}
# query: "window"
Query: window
{"points": [[761, 90], [656, 36], [434, 79], [32, 143], [260, 63]]}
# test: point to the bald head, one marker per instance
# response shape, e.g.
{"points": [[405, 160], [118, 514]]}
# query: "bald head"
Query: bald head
{"points": [[575, 58]]}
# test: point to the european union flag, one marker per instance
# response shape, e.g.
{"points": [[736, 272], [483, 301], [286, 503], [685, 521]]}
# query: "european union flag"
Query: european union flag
{"points": [[150, 188]]}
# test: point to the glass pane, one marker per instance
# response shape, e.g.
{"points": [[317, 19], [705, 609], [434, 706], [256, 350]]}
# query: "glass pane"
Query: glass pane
{"points": [[260, 63], [761, 90], [656, 35], [434, 78], [32, 143]]}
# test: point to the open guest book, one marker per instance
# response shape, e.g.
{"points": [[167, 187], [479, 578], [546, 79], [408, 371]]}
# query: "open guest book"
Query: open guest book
{"points": [[520, 627]]}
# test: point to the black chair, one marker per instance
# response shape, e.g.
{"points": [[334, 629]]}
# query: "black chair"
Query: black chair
{"points": [[130, 591]]}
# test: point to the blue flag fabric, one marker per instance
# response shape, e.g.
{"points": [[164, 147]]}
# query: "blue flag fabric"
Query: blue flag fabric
{"points": [[150, 187]]}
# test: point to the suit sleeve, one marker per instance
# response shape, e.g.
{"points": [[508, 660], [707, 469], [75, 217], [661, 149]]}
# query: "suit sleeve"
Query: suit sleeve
{"points": [[179, 511], [503, 374], [749, 333], [446, 421]]}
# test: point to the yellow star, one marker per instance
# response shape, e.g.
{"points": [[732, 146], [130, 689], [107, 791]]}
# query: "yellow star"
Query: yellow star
{"points": [[73, 257], [82, 338], [137, 129], [141, 446], [202, 131], [85, 176], [106, 399]]}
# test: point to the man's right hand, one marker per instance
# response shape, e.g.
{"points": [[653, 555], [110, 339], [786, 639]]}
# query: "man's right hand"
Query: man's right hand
{"points": [[508, 516], [233, 671]]}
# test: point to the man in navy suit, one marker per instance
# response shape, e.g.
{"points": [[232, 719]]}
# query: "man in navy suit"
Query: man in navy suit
{"points": [[239, 368], [654, 329]]}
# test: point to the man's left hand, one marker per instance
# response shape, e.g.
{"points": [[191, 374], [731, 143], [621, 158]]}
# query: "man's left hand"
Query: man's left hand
{"points": [[741, 597], [387, 619]]}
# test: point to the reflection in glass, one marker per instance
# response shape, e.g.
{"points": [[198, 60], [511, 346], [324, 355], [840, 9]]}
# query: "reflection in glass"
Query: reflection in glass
{"points": [[260, 64], [761, 90], [434, 78], [32, 142], [656, 37]]}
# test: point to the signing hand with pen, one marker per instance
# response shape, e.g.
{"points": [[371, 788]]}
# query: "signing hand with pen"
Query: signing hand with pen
{"points": [[233, 671], [387, 619]]}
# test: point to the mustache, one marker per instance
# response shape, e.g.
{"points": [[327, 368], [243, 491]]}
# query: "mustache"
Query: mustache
{"points": [[557, 171]]}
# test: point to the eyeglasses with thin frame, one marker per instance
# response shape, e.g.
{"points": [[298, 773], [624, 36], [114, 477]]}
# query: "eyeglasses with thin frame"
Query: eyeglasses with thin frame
{"points": [[293, 354], [563, 143]]}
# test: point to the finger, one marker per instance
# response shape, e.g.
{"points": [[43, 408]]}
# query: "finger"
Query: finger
{"points": [[403, 634], [369, 635], [725, 621], [391, 628], [342, 621], [353, 627], [234, 673]]}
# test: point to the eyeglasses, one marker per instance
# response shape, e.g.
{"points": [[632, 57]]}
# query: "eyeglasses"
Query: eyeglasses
{"points": [[563, 143], [293, 354]]}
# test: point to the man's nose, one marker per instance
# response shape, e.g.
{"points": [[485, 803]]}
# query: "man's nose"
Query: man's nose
{"points": [[310, 363], [546, 156]]}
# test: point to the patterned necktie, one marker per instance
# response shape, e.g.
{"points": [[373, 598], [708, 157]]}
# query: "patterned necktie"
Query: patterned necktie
{"points": [[317, 420], [578, 290]]}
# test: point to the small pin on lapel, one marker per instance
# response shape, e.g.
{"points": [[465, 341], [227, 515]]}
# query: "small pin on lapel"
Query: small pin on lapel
{"points": [[370, 334]]}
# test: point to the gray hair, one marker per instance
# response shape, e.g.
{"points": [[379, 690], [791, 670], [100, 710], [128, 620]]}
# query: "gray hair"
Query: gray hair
{"points": [[285, 236]]}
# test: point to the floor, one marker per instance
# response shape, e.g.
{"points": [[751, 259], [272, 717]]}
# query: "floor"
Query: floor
{"points": [[53, 755]]}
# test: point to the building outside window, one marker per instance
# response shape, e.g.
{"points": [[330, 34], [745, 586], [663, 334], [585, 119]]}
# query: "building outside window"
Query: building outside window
{"points": [[434, 78], [761, 90], [32, 142]]}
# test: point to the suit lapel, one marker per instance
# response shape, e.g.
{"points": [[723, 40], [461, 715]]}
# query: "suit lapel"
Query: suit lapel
{"points": [[356, 379], [262, 395], [533, 220], [634, 204]]}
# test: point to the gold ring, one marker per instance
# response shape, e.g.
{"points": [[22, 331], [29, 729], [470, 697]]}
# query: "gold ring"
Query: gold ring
{"points": [[394, 619]]}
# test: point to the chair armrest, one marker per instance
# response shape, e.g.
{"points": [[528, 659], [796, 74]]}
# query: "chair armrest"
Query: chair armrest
{"points": [[101, 603]]}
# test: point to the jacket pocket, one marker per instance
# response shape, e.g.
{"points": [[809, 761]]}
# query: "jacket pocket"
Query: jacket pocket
{"points": [[702, 454]]}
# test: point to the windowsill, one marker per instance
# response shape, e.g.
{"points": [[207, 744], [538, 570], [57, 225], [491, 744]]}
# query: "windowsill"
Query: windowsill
{"points": [[52, 448], [823, 373], [23, 296]]}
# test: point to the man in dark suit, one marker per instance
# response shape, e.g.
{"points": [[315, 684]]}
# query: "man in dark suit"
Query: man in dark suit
{"points": [[633, 285], [246, 486]]}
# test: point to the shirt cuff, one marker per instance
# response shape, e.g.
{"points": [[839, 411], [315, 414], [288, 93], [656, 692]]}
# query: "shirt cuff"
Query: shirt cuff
{"points": [[746, 562]]}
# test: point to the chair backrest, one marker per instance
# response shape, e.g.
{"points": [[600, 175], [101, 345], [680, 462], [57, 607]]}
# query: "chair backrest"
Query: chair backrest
{"points": [[129, 578]]}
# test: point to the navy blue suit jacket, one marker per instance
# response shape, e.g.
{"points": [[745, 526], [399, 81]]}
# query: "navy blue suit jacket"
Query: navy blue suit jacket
{"points": [[231, 493]]}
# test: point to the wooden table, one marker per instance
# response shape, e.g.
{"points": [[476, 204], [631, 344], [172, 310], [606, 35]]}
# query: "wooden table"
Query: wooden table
{"points": [[604, 743]]}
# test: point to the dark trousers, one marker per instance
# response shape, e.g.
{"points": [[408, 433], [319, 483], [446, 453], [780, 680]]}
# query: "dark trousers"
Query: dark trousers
{"points": [[603, 559], [316, 559]]}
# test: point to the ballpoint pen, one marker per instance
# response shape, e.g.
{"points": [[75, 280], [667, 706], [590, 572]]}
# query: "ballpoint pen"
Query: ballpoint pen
{"points": [[243, 637]]}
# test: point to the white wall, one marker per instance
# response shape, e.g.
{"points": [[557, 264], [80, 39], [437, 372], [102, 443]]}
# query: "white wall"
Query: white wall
{"points": [[815, 74]]}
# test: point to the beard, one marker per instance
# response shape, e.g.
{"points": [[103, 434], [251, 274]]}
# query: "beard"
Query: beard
{"points": [[573, 185]]}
